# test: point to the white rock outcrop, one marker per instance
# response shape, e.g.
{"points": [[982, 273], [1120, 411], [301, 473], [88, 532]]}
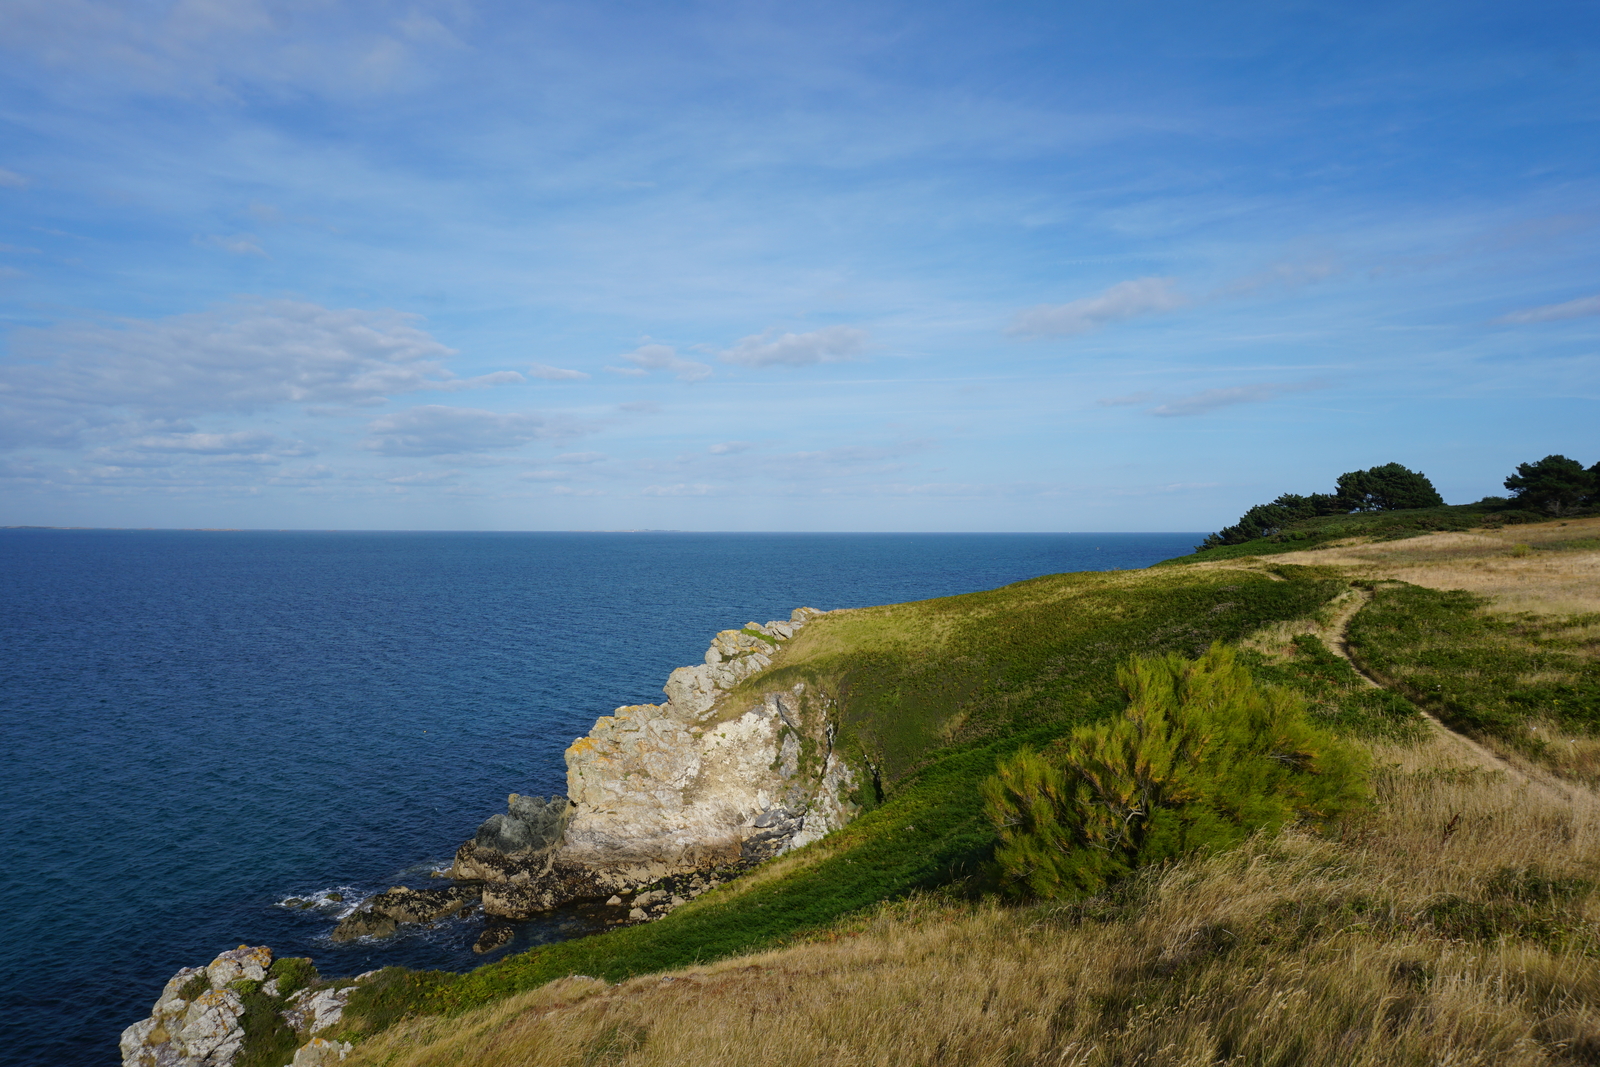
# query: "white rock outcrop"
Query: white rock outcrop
{"points": [[692, 784], [197, 1020]]}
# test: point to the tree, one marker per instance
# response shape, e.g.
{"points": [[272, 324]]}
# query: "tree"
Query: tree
{"points": [[1201, 758], [1264, 520], [1390, 487], [1555, 484]]}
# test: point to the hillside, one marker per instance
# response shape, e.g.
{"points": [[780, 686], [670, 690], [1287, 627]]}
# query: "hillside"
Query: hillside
{"points": [[878, 944]]}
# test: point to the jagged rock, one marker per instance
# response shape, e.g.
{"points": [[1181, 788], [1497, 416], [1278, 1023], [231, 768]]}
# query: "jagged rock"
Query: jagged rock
{"points": [[319, 1052], [492, 938], [242, 962], [199, 1032], [382, 915], [660, 790], [519, 841], [315, 1010], [206, 1029]]}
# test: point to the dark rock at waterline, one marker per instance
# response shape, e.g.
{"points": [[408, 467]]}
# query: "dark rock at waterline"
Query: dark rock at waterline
{"points": [[492, 938], [382, 915], [531, 825]]}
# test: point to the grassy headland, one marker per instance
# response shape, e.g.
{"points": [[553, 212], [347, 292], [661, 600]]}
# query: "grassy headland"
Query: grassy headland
{"points": [[1453, 922]]}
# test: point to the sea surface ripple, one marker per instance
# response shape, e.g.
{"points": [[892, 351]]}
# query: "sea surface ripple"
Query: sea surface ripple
{"points": [[200, 725]]}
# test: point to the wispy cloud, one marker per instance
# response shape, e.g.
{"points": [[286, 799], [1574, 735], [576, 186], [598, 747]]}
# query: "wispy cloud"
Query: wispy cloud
{"points": [[1212, 399], [1123, 301], [770, 349], [682, 489], [556, 374], [433, 429], [240, 358], [729, 448], [1289, 273], [10, 179], [241, 441], [1571, 309], [239, 244], [1130, 400], [647, 358]]}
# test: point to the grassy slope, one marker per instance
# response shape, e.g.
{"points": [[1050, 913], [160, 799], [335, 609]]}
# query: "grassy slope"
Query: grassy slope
{"points": [[1296, 951], [1325, 530], [1526, 680], [932, 692]]}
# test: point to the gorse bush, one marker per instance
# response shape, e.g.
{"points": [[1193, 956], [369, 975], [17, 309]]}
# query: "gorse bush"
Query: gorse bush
{"points": [[1202, 757]]}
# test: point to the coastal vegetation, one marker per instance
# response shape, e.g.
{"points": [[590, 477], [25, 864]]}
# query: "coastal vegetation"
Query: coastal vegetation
{"points": [[1202, 758], [1451, 916], [1392, 501]]}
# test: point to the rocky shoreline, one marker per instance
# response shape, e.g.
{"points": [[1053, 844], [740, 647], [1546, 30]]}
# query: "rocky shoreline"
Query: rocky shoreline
{"points": [[655, 793], [664, 802], [199, 1019]]}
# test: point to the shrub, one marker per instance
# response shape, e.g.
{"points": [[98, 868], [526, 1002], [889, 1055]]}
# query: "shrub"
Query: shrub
{"points": [[1201, 758]]}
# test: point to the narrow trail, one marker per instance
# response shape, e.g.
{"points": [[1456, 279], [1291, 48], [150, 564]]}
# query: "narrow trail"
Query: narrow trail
{"points": [[1336, 636]]}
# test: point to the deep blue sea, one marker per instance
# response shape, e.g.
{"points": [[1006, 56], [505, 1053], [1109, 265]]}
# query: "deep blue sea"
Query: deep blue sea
{"points": [[200, 725]]}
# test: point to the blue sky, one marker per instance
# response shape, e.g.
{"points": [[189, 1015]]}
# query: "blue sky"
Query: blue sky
{"points": [[802, 266]]}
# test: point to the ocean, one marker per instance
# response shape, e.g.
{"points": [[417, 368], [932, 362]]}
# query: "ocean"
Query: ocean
{"points": [[201, 727]]}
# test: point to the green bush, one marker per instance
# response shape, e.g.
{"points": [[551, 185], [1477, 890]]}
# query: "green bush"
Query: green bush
{"points": [[1202, 757], [293, 973]]}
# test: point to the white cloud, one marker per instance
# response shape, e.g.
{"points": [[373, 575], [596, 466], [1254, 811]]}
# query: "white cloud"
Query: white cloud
{"points": [[213, 47], [240, 244], [640, 407], [216, 443], [844, 461], [482, 381], [681, 489], [556, 374], [10, 179], [425, 478], [1286, 273], [1572, 309], [432, 429], [581, 457], [828, 345], [1127, 401], [77, 378], [1212, 399], [728, 448], [647, 358], [241, 358], [1125, 300]]}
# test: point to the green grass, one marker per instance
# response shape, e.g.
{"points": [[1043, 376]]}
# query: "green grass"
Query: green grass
{"points": [[1384, 525], [1476, 670], [934, 693], [1336, 696]]}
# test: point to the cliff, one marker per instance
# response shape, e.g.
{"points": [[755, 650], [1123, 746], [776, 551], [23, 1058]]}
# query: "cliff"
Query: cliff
{"points": [[705, 781]]}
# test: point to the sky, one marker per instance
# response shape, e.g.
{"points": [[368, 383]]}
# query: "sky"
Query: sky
{"points": [[864, 266]]}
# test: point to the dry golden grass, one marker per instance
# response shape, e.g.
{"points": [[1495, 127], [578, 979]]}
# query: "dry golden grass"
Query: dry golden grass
{"points": [[1298, 950], [1554, 580]]}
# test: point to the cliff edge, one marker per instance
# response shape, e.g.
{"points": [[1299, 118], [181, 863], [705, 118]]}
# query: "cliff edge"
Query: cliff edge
{"points": [[701, 782]]}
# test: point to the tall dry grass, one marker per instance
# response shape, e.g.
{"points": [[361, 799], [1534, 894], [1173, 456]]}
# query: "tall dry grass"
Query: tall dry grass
{"points": [[1418, 938], [1561, 578]]}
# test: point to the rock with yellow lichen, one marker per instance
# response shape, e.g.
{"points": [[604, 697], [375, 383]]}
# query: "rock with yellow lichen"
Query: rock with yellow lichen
{"points": [[694, 784]]}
